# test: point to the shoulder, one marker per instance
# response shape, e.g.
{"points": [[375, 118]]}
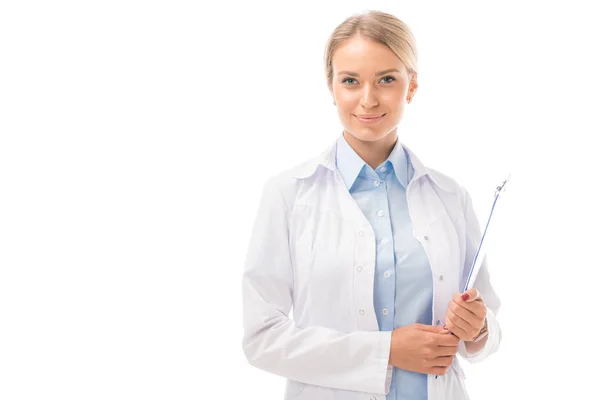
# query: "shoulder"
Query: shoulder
{"points": [[446, 182], [290, 180], [451, 186]]}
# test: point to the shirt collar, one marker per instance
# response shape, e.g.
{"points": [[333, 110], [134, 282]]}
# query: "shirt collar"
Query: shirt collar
{"points": [[327, 160], [350, 164]]}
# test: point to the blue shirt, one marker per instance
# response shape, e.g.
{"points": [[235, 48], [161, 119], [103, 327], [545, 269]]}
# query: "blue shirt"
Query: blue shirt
{"points": [[403, 289]]}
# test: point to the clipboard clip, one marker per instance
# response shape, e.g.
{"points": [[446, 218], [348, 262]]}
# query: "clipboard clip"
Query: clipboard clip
{"points": [[502, 188]]}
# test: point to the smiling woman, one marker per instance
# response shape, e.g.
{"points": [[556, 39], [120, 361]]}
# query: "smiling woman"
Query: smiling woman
{"points": [[368, 246], [371, 70]]}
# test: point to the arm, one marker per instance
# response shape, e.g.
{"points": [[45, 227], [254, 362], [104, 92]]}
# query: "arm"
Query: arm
{"points": [[476, 352], [313, 355]]}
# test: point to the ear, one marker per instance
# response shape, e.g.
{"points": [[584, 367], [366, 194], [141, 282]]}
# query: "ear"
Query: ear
{"points": [[413, 84]]}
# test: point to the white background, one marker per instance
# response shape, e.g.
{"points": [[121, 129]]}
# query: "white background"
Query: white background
{"points": [[135, 137]]}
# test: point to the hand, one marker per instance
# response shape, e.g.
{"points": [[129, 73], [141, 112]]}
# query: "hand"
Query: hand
{"points": [[466, 315], [423, 348]]}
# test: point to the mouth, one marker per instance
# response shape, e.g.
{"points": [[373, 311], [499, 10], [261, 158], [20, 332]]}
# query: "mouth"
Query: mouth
{"points": [[370, 119]]}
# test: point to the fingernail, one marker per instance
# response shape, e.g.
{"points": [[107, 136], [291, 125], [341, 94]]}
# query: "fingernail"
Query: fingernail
{"points": [[465, 297]]}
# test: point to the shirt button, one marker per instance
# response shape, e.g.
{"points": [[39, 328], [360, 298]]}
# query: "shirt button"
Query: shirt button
{"points": [[384, 241], [361, 312], [361, 233], [384, 311], [381, 213], [386, 274], [441, 277], [359, 268], [377, 183]]}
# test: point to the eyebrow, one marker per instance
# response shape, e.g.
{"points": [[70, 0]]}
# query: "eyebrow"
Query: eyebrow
{"points": [[377, 74]]}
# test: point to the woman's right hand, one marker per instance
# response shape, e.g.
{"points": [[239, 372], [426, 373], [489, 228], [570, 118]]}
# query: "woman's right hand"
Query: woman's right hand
{"points": [[423, 348]]}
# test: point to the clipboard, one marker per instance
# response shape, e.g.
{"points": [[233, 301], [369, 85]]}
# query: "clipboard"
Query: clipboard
{"points": [[479, 256]]}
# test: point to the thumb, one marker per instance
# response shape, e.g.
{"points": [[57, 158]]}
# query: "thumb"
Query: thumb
{"points": [[471, 295]]}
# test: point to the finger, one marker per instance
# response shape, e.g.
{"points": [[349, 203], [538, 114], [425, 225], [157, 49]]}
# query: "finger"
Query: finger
{"points": [[438, 371], [466, 316], [453, 322], [447, 340], [430, 328], [471, 295], [442, 361], [476, 307], [446, 351], [457, 330]]}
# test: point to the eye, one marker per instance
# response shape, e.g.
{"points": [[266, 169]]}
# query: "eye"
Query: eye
{"points": [[389, 77]]}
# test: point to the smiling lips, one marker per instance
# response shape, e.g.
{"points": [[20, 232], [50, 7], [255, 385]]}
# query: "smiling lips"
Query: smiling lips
{"points": [[369, 118]]}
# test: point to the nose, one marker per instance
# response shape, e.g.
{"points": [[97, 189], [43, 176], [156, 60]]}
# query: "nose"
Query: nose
{"points": [[368, 97]]}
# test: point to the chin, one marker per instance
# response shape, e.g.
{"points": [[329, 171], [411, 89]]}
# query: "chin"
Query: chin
{"points": [[368, 134]]}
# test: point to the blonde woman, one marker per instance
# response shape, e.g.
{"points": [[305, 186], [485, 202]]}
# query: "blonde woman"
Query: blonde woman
{"points": [[367, 247]]}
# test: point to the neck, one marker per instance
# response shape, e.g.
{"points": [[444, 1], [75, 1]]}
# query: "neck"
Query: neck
{"points": [[373, 153]]}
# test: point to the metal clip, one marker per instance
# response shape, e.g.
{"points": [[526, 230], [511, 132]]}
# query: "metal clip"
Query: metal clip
{"points": [[500, 189]]}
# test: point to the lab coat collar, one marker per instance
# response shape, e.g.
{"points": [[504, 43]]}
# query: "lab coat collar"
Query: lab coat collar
{"points": [[327, 160]]}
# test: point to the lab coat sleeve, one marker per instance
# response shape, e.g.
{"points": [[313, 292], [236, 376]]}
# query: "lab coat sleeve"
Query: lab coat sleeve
{"points": [[482, 283], [272, 341]]}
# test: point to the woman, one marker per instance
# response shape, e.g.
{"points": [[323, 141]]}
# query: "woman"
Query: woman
{"points": [[369, 247]]}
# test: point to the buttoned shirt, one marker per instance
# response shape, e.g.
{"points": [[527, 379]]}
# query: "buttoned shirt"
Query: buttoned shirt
{"points": [[403, 287]]}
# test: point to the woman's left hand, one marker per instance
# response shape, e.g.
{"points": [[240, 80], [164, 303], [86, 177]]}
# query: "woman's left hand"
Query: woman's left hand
{"points": [[466, 315]]}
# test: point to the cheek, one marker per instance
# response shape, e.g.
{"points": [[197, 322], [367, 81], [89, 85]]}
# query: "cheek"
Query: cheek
{"points": [[347, 101], [394, 100]]}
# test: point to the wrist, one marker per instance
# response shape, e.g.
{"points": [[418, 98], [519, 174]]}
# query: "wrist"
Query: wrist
{"points": [[483, 332]]}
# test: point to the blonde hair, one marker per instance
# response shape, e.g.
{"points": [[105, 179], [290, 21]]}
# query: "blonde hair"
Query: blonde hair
{"points": [[380, 27]]}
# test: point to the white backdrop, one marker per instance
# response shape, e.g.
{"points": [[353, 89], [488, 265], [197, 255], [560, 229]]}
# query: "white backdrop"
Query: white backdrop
{"points": [[135, 137]]}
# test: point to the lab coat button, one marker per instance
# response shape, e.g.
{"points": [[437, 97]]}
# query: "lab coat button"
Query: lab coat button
{"points": [[386, 274], [381, 213], [384, 241], [359, 268], [361, 312], [426, 237], [361, 233], [441, 277]]}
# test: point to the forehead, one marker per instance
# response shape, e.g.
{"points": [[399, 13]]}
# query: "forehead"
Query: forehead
{"points": [[358, 53]]}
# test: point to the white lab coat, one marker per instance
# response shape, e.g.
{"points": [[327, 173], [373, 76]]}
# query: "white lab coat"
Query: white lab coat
{"points": [[308, 282]]}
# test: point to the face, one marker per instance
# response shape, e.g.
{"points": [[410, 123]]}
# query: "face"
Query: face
{"points": [[370, 86]]}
